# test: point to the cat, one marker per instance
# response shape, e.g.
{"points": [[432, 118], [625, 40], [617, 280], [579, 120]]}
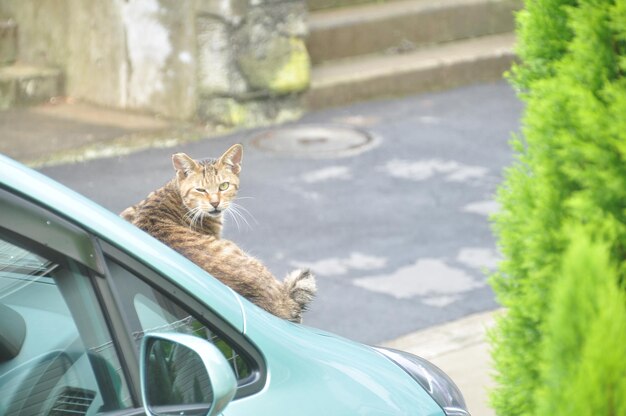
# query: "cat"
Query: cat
{"points": [[187, 215]]}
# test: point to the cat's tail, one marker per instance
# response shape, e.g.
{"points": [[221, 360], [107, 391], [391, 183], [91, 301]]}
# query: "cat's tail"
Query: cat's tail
{"points": [[301, 287]]}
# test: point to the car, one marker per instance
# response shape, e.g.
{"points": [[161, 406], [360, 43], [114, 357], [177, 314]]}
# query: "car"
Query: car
{"points": [[98, 317]]}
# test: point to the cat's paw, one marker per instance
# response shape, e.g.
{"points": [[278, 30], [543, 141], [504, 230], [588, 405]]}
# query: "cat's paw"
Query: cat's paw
{"points": [[129, 213]]}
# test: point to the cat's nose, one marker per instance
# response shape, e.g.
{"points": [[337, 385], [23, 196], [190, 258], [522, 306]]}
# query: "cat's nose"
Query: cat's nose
{"points": [[215, 203]]}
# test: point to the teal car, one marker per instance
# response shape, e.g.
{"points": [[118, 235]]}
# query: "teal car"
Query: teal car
{"points": [[97, 317]]}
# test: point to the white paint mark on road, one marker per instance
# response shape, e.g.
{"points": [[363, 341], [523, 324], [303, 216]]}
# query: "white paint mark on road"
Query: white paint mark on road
{"points": [[326, 174], [421, 170], [306, 194], [479, 258], [429, 120], [429, 278], [485, 208], [466, 173], [337, 266], [440, 301], [418, 170]]}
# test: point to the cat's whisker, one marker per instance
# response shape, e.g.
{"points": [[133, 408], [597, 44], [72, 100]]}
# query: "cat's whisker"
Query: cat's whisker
{"points": [[195, 216], [189, 215], [192, 216], [193, 219], [236, 212], [240, 209], [190, 212], [199, 218], [233, 216]]}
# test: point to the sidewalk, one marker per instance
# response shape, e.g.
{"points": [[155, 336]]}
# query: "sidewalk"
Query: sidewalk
{"points": [[460, 349], [59, 133]]}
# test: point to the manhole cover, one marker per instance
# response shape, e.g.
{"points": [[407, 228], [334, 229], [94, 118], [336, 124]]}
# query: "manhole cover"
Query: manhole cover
{"points": [[315, 141]]}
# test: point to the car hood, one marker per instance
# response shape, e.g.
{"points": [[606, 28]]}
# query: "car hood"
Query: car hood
{"points": [[312, 372]]}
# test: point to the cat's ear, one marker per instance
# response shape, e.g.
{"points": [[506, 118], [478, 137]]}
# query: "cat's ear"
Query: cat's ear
{"points": [[232, 158], [183, 164]]}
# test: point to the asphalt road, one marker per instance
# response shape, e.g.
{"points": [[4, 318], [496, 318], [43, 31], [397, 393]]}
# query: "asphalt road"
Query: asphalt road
{"points": [[395, 227]]}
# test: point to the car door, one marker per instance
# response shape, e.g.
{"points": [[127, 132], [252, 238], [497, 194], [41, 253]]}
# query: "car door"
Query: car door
{"points": [[73, 311], [58, 354]]}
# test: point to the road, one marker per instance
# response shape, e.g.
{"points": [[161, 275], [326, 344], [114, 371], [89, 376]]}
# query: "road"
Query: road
{"points": [[390, 211]]}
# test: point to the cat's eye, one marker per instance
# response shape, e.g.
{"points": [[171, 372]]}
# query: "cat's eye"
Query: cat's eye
{"points": [[201, 190], [224, 186]]}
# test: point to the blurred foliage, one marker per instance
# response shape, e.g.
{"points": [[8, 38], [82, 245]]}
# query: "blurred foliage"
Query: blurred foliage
{"points": [[570, 172], [583, 360]]}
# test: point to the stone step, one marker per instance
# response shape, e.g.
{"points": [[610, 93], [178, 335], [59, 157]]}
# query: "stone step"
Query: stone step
{"points": [[404, 25], [22, 85], [443, 66], [8, 41]]}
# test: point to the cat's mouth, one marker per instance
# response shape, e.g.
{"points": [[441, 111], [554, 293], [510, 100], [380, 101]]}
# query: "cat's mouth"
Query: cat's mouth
{"points": [[215, 213]]}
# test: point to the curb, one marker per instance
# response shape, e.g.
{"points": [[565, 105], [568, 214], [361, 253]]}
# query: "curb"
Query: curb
{"points": [[450, 337], [459, 348]]}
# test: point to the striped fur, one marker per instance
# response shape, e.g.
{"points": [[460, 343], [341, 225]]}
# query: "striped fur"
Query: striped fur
{"points": [[190, 221]]}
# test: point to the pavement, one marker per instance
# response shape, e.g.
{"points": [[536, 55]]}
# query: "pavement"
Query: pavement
{"points": [[459, 348], [66, 132]]}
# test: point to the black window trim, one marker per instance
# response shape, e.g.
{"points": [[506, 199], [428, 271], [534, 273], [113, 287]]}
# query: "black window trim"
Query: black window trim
{"points": [[119, 328], [200, 310]]}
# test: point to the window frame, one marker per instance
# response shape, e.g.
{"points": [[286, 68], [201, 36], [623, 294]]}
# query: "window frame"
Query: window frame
{"points": [[38, 228], [57, 237], [90, 250], [50, 231], [60, 258], [201, 311]]}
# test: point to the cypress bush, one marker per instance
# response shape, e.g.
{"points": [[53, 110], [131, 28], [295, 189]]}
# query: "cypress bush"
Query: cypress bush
{"points": [[570, 171], [583, 360]]}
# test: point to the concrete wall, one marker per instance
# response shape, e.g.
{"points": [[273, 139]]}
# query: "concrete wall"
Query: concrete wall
{"points": [[253, 62], [137, 54], [47, 42], [229, 61]]}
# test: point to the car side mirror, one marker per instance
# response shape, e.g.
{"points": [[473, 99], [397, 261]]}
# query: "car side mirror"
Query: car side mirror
{"points": [[184, 374]]}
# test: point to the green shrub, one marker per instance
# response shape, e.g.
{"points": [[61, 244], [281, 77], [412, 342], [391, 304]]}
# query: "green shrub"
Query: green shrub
{"points": [[542, 39], [571, 170], [583, 360]]}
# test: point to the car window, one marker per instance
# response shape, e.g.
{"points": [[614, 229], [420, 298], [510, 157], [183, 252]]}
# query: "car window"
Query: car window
{"points": [[56, 353], [150, 310]]}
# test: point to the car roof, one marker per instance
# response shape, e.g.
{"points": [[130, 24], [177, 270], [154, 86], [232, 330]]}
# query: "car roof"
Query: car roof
{"points": [[44, 191]]}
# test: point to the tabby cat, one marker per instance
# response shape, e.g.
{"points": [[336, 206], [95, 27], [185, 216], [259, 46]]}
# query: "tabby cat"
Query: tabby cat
{"points": [[186, 214]]}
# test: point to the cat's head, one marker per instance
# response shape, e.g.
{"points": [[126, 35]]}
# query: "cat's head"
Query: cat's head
{"points": [[208, 186]]}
